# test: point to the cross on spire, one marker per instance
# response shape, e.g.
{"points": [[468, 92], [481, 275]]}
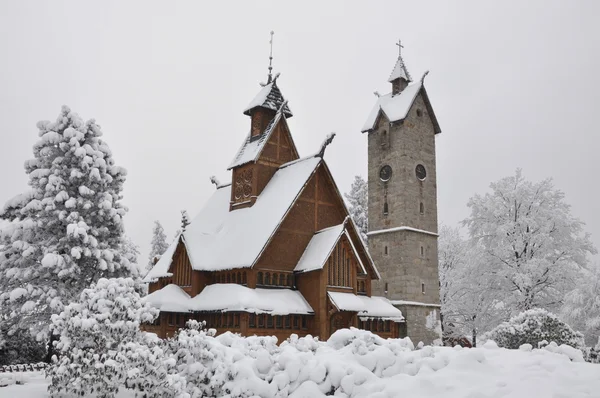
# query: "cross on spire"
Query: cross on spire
{"points": [[271, 59], [400, 47]]}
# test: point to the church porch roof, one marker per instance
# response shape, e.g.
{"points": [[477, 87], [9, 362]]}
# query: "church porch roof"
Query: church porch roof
{"points": [[366, 307]]}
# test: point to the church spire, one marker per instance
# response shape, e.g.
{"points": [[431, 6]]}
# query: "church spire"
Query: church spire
{"points": [[270, 78], [400, 76]]}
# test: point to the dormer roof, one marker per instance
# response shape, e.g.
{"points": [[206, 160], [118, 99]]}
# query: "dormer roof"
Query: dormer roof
{"points": [[269, 97]]}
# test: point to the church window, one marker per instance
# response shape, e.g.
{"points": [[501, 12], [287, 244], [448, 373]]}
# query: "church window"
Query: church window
{"points": [[244, 281], [261, 321], [296, 322], [290, 282], [269, 321], [228, 278], [385, 250], [385, 208], [422, 251], [267, 278], [252, 320], [236, 320], [304, 322], [260, 280], [421, 208], [386, 288], [278, 322], [170, 319], [423, 288], [282, 280], [288, 324], [419, 113]]}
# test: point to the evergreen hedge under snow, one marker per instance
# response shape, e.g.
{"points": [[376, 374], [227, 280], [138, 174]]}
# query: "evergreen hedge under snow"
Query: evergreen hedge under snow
{"points": [[533, 327]]}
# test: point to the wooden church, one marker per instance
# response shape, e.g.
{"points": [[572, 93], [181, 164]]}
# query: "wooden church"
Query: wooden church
{"points": [[274, 252]]}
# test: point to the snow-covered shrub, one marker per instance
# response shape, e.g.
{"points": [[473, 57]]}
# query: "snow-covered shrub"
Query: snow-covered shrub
{"points": [[200, 360], [149, 371], [532, 327], [93, 335]]}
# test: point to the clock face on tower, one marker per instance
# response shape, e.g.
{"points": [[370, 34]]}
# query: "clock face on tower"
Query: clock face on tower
{"points": [[420, 172], [385, 173]]}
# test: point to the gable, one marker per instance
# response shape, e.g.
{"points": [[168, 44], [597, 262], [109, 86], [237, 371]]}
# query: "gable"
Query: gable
{"points": [[319, 206], [181, 267], [280, 147]]}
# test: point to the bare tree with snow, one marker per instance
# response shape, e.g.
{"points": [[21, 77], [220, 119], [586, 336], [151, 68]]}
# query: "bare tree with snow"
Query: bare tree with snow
{"points": [[158, 244], [359, 205], [471, 301], [582, 305], [533, 244], [66, 231]]}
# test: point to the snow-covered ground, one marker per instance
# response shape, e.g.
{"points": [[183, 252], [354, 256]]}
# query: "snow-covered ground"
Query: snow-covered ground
{"points": [[361, 366]]}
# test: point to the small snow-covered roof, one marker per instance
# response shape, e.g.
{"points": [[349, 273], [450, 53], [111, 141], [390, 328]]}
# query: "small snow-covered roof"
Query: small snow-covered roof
{"points": [[161, 268], [269, 97], [320, 247], [395, 107], [232, 297], [400, 71], [366, 307], [170, 298], [219, 239], [253, 146]]}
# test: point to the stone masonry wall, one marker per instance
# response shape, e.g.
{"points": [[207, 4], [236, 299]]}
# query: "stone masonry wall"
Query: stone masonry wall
{"points": [[422, 324]]}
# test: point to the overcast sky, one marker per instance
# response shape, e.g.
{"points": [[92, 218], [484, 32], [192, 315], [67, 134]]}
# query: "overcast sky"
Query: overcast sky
{"points": [[513, 84]]}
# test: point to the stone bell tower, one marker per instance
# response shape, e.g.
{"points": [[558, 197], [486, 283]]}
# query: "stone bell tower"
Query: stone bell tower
{"points": [[403, 202]]}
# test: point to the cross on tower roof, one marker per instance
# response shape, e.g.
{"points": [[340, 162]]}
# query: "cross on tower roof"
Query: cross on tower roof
{"points": [[400, 47]]}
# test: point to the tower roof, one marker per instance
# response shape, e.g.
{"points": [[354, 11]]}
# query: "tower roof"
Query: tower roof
{"points": [[269, 97], [400, 71]]}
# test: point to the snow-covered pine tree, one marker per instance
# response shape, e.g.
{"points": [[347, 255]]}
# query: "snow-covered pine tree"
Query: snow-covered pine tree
{"points": [[158, 245], [185, 220], [66, 231], [359, 205], [534, 244]]}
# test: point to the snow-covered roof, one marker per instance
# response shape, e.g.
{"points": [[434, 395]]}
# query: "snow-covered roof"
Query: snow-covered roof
{"points": [[395, 107], [269, 97], [219, 239], [320, 247], [232, 297], [161, 268], [400, 71], [367, 307], [253, 146], [170, 298]]}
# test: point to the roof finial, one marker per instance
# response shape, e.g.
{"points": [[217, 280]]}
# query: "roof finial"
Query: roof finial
{"points": [[400, 47], [271, 59], [214, 180], [325, 143]]}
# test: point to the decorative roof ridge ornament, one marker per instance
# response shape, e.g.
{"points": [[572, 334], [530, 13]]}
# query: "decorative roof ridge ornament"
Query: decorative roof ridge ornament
{"points": [[424, 75], [324, 145], [214, 181]]}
